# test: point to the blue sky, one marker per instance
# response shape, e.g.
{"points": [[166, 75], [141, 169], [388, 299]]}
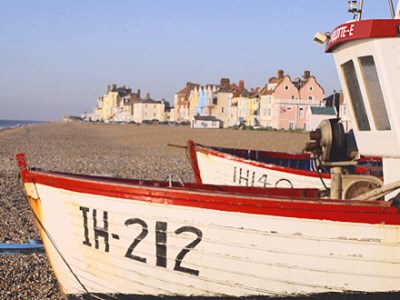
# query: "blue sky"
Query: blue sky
{"points": [[57, 57]]}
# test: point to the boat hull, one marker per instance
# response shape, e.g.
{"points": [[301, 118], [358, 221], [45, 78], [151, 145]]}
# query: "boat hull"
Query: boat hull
{"points": [[216, 167], [115, 237]]}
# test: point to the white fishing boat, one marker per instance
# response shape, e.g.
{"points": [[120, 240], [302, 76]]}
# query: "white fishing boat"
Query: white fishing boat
{"points": [[249, 167], [122, 238]]}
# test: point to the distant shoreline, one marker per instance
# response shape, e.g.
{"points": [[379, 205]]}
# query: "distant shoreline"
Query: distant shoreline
{"points": [[21, 125]]}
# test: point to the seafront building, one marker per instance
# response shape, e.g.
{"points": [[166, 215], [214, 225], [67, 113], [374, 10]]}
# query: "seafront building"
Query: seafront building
{"points": [[149, 110], [282, 103]]}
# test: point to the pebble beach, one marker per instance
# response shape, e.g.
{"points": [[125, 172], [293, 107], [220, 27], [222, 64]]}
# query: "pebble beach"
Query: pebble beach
{"points": [[119, 150]]}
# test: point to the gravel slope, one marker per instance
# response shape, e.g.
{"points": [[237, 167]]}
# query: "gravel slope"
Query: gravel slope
{"points": [[112, 150]]}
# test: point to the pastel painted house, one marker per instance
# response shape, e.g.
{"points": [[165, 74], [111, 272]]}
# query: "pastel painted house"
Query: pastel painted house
{"points": [[201, 100], [116, 104], [182, 102], [285, 104], [149, 110]]}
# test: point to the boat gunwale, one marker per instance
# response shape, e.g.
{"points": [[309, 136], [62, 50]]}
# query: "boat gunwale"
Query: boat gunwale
{"points": [[353, 211], [209, 150]]}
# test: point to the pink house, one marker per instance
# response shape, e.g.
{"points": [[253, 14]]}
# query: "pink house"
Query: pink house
{"points": [[285, 104]]}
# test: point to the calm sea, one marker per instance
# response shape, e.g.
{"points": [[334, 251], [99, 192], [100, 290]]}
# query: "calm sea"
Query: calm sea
{"points": [[16, 123]]}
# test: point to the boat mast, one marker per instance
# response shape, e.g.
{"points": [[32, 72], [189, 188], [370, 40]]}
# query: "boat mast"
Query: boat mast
{"points": [[391, 8], [355, 11], [360, 5], [397, 14]]}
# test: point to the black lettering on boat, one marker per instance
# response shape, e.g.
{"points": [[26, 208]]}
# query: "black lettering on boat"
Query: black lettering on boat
{"points": [[85, 211], [284, 180], [244, 178], [161, 244], [181, 255], [101, 231], [264, 180], [137, 240]]}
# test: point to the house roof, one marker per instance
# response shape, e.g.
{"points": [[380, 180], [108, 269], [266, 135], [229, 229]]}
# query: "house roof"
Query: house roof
{"points": [[322, 110], [205, 118], [149, 101], [186, 90]]}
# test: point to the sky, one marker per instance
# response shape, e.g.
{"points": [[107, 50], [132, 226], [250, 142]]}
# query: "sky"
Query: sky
{"points": [[57, 57]]}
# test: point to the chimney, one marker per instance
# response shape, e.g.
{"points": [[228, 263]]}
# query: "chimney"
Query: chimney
{"points": [[114, 86], [108, 88], [241, 85], [225, 83], [280, 74], [138, 93], [188, 83], [148, 96], [306, 74]]}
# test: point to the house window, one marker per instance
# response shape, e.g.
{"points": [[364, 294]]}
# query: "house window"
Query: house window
{"points": [[310, 88], [268, 112], [310, 98], [301, 112], [286, 87], [291, 125], [222, 109], [292, 97]]}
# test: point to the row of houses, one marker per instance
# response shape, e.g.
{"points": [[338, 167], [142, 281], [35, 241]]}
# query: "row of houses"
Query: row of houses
{"points": [[282, 103], [120, 104]]}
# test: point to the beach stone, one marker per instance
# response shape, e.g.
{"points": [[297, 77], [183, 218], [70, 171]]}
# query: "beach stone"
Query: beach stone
{"points": [[119, 150]]}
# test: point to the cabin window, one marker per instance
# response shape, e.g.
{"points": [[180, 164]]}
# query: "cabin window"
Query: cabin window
{"points": [[374, 92], [356, 98]]}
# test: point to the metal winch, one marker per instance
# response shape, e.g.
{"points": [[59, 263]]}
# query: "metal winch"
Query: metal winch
{"points": [[337, 152]]}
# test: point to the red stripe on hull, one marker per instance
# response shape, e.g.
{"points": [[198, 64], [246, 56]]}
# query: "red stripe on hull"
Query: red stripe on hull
{"points": [[299, 172], [239, 200]]}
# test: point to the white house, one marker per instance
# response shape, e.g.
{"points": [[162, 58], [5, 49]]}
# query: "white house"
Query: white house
{"points": [[205, 122]]}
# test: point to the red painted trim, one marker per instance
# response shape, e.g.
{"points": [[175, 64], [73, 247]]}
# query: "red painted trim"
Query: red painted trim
{"points": [[365, 29], [193, 162], [267, 166], [297, 203]]}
